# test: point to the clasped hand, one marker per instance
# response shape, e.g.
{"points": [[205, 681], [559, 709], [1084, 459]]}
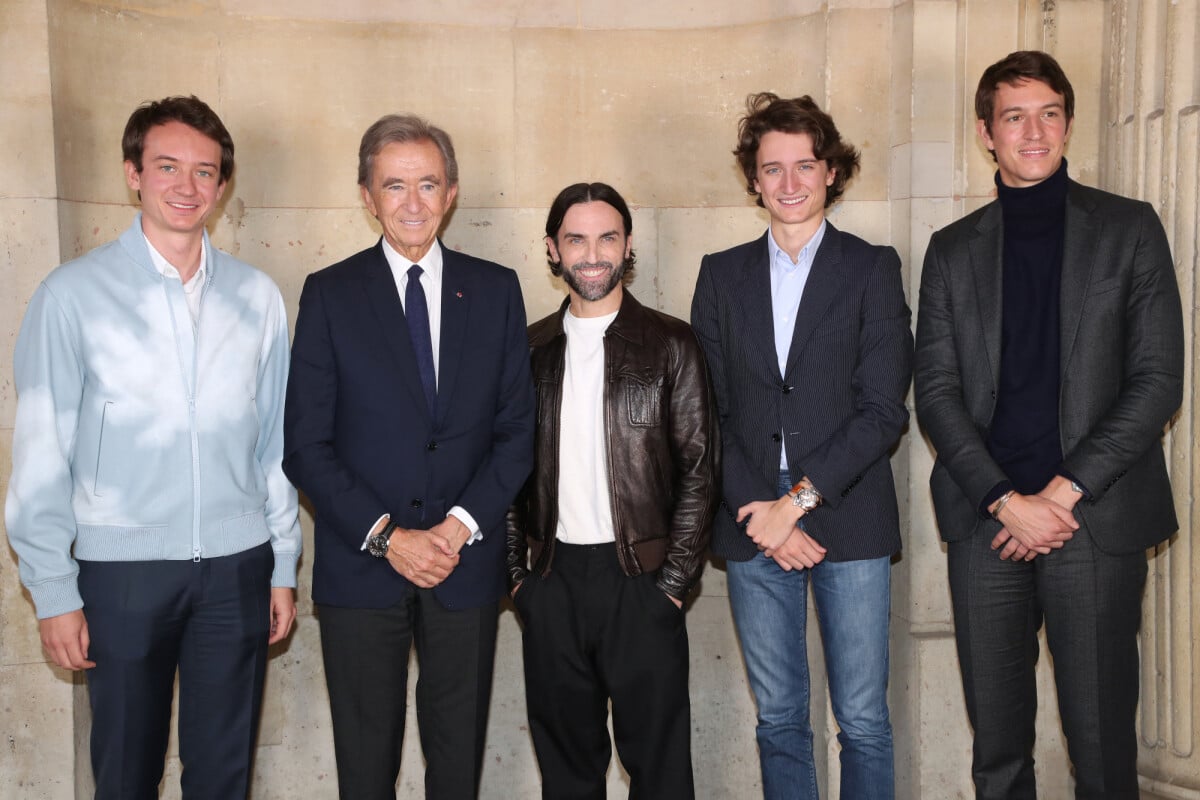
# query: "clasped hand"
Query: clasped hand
{"points": [[772, 526], [427, 557], [1037, 524]]}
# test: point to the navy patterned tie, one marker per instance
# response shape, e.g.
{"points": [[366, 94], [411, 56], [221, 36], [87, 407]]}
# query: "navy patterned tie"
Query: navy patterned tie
{"points": [[416, 312]]}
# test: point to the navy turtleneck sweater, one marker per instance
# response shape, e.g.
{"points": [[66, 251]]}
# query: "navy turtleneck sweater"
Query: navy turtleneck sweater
{"points": [[1024, 436]]}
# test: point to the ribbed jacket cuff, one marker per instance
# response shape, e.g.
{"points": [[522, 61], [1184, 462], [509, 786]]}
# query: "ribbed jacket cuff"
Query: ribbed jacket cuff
{"points": [[53, 598], [284, 574]]}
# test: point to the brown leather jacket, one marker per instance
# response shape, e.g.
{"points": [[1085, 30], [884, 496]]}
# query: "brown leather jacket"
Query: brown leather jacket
{"points": [[663, 448]]}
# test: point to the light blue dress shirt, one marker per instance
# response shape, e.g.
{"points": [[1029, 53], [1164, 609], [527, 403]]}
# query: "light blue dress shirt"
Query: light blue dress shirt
{"points": [[788, 280]]}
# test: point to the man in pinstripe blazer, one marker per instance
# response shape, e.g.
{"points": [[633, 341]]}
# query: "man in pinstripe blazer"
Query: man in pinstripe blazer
{"points": [[806, 332]]}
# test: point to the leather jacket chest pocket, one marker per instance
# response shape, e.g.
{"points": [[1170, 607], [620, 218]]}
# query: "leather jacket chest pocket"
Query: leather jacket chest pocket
{"points": [[643, 393]]}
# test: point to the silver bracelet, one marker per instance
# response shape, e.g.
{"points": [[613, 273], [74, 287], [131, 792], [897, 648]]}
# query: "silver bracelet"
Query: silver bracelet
{"points": [[1004, 498]]}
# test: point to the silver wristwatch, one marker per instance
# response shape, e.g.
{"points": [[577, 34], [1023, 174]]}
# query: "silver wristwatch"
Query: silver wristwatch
{"points": [[806, 497]]}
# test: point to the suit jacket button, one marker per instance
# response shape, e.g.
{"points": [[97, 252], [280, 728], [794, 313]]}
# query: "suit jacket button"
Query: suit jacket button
{"points": [[775, 437], [787, 389], [431, 446], [416, 502]]}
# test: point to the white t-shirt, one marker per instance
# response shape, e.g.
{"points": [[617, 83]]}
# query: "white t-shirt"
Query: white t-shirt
{"points": [[584, 510]]}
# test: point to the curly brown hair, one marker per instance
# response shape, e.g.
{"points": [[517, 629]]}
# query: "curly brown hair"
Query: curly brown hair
{"points": [[767, 111]]}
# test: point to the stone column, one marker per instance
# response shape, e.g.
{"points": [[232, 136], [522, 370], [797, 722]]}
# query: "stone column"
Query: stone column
{"points": [[1151, 150], [37, 703]]}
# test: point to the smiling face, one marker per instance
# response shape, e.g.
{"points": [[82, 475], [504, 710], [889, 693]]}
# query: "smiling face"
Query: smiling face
{"points": [[592, 248], [1029, 132], [792, 183], [409, 194], [178, 180]]}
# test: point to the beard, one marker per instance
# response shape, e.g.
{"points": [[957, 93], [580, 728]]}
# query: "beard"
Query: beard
{"points": [[593, 289]]}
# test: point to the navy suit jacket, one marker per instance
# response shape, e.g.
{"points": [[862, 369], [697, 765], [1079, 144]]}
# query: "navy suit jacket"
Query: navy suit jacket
{"points": [[839, 406], [359, 440]]}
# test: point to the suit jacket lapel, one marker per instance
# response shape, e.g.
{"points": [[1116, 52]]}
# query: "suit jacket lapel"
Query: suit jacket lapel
{"points": [[456, 305], [1080, 243], [825, 281], [754, 294], [986, 246], [381, 296]]}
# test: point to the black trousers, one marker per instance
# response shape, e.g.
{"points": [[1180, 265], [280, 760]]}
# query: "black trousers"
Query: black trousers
{"points": [[1091, 604], [210, 619], [592, 635], [366, 670]]}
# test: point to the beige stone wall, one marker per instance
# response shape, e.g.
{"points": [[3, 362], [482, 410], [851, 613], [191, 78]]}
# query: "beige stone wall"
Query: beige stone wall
{"points": [[539, 94]]}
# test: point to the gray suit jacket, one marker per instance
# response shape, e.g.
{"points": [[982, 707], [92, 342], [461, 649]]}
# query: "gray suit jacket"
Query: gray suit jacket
{"points": [[839, 406], [1121, 343]]}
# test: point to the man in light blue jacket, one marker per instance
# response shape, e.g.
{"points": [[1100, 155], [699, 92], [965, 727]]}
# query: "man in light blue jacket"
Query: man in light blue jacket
{"points": [[153, 524]]}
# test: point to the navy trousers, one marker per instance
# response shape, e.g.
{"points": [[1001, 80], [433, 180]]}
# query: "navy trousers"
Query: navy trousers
{"points": [[210, 619]]}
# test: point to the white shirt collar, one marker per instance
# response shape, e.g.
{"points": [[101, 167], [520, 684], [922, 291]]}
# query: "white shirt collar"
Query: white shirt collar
{"points": [[168, 270], [430, 263]]}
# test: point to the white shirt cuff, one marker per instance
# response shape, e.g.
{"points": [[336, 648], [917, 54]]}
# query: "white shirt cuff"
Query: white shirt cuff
{"points": [[367, 538], [460, 513]]}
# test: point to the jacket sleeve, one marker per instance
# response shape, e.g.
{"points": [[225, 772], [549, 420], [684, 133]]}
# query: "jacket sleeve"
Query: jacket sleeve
{"points": [[739, 478], [49, 376], [282, 509], [1151, 382], [516, 546], [881, 377], [310, 459], [938, 384], [695, 448]]}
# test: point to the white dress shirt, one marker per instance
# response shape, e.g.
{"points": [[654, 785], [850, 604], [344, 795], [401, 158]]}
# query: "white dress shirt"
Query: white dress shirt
{"points": [[431, 282], [195, 285]]}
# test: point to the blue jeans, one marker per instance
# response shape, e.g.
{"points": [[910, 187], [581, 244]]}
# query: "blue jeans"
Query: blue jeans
{"points": [[853, 600]]}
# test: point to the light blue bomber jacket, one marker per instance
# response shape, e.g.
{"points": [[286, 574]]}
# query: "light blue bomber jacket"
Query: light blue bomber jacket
{"points": [[139, 436]]}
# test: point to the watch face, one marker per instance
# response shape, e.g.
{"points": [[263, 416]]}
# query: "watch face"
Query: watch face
{"points": [[808, 498], [378, 545]]}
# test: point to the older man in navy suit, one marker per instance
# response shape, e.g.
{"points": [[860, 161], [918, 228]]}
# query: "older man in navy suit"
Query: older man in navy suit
{"points": [[409, 425], [807, 336]]}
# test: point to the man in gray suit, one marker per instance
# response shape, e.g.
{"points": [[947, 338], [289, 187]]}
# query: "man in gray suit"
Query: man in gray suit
{"points": [[1049, 358], [806, 333]]}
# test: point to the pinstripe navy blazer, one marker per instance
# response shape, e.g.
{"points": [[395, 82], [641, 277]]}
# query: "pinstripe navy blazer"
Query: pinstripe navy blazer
{"points": [[839, 406]]}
